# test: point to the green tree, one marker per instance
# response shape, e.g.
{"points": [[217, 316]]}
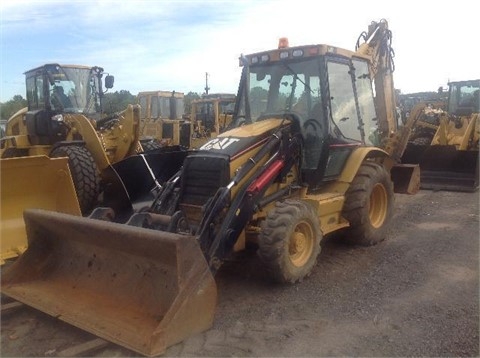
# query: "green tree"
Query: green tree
{"points": [[10, 107], [117, 101], [188, 98]]}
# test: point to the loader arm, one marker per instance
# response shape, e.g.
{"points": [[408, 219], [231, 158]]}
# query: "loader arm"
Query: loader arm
{"points": [[248, 198]]}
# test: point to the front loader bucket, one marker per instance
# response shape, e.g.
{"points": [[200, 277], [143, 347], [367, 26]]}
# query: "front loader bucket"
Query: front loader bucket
{"points": [[443, 167], [140, 288], [31, 182]]}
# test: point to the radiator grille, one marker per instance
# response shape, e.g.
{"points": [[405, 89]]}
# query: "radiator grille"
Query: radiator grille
{"points": [[202, 176]]}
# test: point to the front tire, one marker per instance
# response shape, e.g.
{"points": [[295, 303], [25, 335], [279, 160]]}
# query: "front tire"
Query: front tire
{"points": [[369, 205], [289, 242], [85, 174]]}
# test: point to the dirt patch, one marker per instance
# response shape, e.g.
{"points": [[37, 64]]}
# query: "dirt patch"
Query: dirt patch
{"points": [[415, 294]]}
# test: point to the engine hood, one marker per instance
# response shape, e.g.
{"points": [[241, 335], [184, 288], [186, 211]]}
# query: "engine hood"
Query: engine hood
{"points": [[239, 140]]}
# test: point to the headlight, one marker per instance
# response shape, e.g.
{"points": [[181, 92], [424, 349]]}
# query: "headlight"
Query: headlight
{"points": [[57, 118], [297, 53]]}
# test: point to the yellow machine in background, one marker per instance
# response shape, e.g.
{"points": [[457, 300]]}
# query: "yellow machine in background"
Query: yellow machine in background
{"points": [[446, 139], [64, 118], [310, 152], [211, 115], [162, 122]]}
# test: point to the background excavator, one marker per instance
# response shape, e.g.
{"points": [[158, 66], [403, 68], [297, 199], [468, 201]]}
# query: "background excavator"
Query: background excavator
{"points": [[311, 152], [445, 139]]}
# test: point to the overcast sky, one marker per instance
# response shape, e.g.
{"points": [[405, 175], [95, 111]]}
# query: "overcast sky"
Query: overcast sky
{"points": [[170, 45]]}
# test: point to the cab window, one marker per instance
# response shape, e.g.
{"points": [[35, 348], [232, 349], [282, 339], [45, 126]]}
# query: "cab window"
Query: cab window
{"points": [[342, 101]]}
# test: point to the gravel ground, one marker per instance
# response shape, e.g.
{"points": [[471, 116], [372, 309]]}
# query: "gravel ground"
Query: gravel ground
{"points": [[414, 294]]}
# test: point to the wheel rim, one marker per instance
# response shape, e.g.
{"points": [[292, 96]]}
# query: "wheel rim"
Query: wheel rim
{"points": [[300, 246], [378, 205]]}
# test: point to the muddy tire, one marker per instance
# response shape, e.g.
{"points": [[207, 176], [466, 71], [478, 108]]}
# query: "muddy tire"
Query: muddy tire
{"points": [[289, 242], [14, 153], [85, 174], [369, 205]]}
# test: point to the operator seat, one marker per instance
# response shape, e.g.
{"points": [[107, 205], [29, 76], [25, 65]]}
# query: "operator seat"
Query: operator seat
{"points": [[313, 137]]}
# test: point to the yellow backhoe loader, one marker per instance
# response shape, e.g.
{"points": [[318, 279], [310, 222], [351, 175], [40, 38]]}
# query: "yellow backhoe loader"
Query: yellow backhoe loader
{"points": [[445, 139], [311, 152]]}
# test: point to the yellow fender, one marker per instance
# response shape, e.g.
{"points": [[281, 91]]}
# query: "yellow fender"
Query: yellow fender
{"points": [[357, 158]]}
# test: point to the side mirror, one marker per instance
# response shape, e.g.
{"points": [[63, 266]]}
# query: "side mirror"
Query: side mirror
{"points": [[109, 81]]}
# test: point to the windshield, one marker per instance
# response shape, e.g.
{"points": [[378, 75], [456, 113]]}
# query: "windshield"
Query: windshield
{"points": [[280, 88], [74, 90], [464, 97]]}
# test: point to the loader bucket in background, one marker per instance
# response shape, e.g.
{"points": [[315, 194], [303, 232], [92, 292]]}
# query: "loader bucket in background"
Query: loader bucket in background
{"points": [[31, 182], [142, 289], [413, 153], [136, 176], [406, 178], [443, 167]]}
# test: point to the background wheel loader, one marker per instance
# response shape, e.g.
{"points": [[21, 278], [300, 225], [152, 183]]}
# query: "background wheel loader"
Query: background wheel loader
{"points": [[303, 161], [64, 119], [446, 139]]}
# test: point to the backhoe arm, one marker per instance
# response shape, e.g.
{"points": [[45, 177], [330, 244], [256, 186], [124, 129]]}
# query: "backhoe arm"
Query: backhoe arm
{"points": [[376, 44]]}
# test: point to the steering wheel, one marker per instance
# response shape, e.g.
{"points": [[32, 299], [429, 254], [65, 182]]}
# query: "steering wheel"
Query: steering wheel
{"points": [[317, 126]]}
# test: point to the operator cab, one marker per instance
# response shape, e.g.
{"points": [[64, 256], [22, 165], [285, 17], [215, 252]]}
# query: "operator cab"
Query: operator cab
{"points": [[327, 91], [464, 97], [54, 90]]}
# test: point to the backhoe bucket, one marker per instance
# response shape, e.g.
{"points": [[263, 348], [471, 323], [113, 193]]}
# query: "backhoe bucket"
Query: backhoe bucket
{"points": [[31, 182], [142, 289], [443, 167], [413, 153], [406, 178]]}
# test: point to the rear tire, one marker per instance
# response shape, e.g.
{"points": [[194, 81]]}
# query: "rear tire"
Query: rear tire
{"points": [[369, 205], [289, 242], [85, 174]]}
